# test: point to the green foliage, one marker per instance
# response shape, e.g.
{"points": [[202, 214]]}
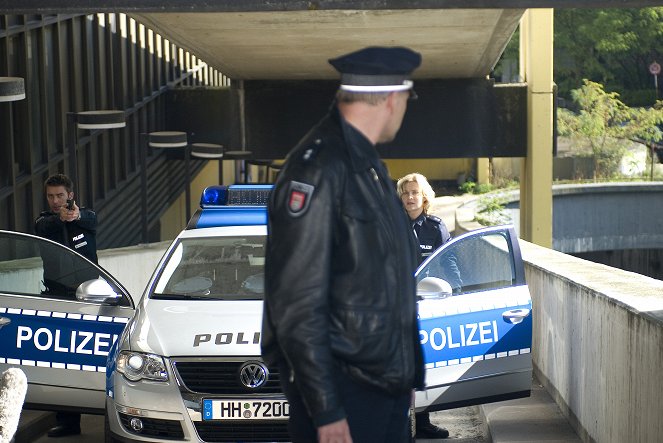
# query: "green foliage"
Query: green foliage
{"points": [[491, 211], [611, 46], [470, 187], [467, 187], [504, 182], [604, 124], [482, 188], [639, 97]]}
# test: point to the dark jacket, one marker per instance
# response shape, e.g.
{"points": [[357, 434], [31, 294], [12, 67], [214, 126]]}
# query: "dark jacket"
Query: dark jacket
{"points": [[79, 235], [431, 233], [340, 289], [63, 273]]}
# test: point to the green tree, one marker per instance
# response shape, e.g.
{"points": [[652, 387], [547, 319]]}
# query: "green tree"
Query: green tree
{"points": [[611, 46], [606, 125]]}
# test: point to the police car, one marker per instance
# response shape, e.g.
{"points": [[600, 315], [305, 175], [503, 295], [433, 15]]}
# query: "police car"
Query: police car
{"points": [[184, 362]]}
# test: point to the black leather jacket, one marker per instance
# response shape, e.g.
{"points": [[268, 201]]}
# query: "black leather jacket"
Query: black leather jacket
{"points": [[340, 262]]}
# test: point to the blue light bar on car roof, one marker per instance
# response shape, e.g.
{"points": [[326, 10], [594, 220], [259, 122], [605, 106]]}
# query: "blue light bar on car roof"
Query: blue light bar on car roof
{"points": [[244, 195], [234, 205]]}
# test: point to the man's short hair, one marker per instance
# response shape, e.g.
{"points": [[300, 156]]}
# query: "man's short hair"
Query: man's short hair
{"points": [[59, 180], [372, 98]]}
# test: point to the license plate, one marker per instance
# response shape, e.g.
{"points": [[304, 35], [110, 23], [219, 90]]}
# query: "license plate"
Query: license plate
{"points": [[245, 409]]}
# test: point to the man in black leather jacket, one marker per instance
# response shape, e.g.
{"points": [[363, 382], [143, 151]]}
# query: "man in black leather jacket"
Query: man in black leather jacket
{"points": [[340, 314]]}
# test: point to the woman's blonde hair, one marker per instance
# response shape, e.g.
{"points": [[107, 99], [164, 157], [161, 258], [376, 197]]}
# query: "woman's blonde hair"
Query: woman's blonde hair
{"points": [[426, 189]]}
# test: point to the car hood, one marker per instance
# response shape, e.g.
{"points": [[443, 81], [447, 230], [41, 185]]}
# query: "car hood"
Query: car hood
{"points": [[197, 328]]}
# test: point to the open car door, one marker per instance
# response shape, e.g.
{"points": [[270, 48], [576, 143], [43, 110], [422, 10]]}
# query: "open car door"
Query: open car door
{"points": [[475, 315], [59, 316]]}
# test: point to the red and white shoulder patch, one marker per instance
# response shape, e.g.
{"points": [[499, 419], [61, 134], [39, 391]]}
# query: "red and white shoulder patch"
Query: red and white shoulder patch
{"points": [[299, 198]]}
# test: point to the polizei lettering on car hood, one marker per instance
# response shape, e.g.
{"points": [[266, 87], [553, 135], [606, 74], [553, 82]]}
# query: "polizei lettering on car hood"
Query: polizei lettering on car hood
{"points": [[197, 328]]}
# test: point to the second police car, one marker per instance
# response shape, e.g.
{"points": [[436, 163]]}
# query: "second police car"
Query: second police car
{"points": [[187, 365]]}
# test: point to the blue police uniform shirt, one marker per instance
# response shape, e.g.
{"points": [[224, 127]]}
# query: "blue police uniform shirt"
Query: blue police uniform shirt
{"points": [[431, 233]]}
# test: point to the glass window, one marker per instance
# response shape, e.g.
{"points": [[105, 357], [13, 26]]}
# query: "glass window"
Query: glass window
{"points": [[475, 263], [33, 266], [226, 268]]}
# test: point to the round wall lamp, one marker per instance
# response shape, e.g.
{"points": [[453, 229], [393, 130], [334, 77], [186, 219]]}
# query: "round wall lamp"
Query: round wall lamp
{"points": [[12, 89], [167, 139], [107, 119], [209, 151]]}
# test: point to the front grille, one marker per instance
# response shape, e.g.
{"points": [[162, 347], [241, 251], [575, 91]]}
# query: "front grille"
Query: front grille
{"points": [[219, 432], [153, 427], [222, 378]]}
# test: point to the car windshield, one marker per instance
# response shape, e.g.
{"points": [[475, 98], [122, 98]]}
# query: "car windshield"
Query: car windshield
{"points": [[218, 268]]}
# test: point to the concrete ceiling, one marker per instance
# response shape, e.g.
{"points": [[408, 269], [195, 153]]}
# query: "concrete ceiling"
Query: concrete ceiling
{"points": [[292, 39], [295, 45]]}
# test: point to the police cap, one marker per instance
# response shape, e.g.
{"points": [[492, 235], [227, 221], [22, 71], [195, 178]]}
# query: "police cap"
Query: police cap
{"points": [[377, 69]]}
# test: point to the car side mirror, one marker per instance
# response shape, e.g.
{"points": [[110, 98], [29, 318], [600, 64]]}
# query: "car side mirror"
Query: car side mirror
{"points": [[433, 288], [97, 291]]}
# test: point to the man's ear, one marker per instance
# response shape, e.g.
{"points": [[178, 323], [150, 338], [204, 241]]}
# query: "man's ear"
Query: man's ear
{"points": [[390, 100]]}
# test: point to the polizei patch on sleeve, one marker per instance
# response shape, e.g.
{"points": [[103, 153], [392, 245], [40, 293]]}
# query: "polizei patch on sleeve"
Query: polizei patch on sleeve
{"points": [[299, 198]]}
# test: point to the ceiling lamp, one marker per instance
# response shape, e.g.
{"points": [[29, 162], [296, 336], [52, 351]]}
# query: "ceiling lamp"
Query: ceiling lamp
{"points": [[12, 89]]}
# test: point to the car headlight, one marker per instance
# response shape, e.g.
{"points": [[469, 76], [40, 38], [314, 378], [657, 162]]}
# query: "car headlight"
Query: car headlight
{"points": [[137, 366]]}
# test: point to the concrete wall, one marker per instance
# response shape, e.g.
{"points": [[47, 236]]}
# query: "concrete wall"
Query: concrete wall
{"points": [[597, 344], [600, 217]]}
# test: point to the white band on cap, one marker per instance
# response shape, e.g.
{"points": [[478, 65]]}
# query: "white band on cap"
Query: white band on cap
{"points": [[407, 84]]}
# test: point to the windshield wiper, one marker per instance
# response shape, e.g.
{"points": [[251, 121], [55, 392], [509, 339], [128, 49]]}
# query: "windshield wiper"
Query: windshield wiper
{"points": [[181, 297]]}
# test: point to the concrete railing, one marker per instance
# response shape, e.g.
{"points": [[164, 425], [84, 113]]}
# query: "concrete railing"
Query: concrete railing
{"points": [[598, 344]]}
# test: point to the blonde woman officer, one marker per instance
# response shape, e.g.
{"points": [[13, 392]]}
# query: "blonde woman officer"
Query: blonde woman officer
{"points": [[416, 194]]}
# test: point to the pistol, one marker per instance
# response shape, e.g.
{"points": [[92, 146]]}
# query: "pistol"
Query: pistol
{"points": [[70, 204]]}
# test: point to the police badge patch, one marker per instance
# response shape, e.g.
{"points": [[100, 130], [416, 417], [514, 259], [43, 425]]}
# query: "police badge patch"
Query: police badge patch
{"points": [[299, 198]]}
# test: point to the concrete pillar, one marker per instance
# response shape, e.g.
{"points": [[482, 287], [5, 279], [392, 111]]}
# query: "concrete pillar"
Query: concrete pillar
{"points": [[536, 65], [483, 170]]}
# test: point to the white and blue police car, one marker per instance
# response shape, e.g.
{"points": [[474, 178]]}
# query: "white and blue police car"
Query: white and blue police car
{"points": [[184, 363]]}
